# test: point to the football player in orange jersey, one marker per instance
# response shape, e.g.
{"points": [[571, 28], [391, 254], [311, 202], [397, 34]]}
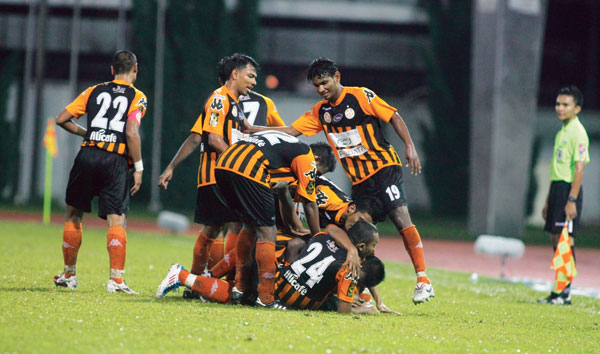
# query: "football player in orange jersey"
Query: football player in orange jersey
{"points": [[352, 118], [114, 113]]}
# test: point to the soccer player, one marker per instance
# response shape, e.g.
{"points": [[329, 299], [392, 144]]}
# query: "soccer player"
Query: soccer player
{"points": [[114, 113], [306, 283], [352, 118], [218, 126], [565, 198]]}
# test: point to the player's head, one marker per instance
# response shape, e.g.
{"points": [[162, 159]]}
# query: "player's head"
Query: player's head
{"points": [[325, 76], [364, 237], [364, 209], [239, 69], [324, 157], [569, 102], [124, 62], [372, 272]]}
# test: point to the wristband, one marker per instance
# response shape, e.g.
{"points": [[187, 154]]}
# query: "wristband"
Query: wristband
{"points": [[572, 199], [139, 166]]}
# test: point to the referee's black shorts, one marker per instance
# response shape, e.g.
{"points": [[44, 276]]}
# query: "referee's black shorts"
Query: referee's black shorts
{"points": [[252, 202], [557, 199], [99, 173]]}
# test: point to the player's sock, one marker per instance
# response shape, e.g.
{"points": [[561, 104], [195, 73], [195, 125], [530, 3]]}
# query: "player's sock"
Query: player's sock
{"points": [[265, 259], [216, 252], [201, 252], [414, 247], [245, 243], [70, 247], [230, 242], [225, 265], [212, 289], [116, 243]]}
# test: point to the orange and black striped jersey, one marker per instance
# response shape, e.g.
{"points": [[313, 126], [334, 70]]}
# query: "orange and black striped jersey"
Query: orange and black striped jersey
{"points": [[223, 116], [353, 128], [260, 110], [271, 157], [107, 106], [331, 200], [315, 274]]}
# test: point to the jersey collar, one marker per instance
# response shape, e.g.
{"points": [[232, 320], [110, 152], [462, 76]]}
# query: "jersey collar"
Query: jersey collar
{"points": [[341, 98], [228, 92]]}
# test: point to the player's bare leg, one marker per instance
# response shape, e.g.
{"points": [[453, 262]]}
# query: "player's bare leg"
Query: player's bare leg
{"points": [[71, 242], [412, 242]]}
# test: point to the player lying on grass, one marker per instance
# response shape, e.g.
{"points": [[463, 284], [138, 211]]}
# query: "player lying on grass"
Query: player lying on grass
{"points": [[306, 283]]}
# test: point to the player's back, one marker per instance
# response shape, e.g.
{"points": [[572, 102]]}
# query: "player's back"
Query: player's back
{"points": [[316, 273], [260, 110]]}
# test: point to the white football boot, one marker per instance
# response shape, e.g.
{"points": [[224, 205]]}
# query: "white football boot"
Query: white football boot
{"points": [[114, 287], [423, 292], [70, 282], [170, 282]]}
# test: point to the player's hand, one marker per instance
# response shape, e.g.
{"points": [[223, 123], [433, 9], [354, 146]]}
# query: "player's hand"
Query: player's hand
{"points": [[137, 182], [163, 180], [353, 262], [571, 211], [384, 309], [412, 160], [299, 231]]}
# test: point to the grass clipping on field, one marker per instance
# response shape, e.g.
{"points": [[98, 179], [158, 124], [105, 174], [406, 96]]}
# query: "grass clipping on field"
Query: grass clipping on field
{"points": [[486, 316]]}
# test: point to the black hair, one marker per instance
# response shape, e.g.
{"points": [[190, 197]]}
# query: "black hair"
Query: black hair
{"points": [[374, 271], [123, 61], [320, 67], [574, 92], [323, 150], [362, 231], [232, 62], [369, 205]]}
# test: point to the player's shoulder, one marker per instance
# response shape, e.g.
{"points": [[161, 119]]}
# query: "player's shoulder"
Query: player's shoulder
{"points": [[259, 96]]}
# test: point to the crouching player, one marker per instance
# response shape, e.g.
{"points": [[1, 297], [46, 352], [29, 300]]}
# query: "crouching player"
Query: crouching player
{"points": [[318, 272]]}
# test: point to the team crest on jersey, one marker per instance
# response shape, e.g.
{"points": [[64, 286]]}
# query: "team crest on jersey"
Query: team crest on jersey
{"points": [[351, 290], [582, 152], [118, 89], [234, 111], [142, 104], [214, 119], [559, 155], [217, 103], [327, 117], [337, 117], [349, 113], [370, 94]]}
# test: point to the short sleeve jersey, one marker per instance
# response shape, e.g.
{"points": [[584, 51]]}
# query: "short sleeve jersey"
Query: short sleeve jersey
{"points": [[271, 157], [331, 200], [223, 116], [571, 145], [353, 127], [107, 106], [260, 110], [315, 274]]}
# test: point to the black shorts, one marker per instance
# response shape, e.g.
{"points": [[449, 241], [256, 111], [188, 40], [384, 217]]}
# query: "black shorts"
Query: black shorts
{"points": [[99, 173], [386, 187], [557, 199], [252, 202], [211, 207]]}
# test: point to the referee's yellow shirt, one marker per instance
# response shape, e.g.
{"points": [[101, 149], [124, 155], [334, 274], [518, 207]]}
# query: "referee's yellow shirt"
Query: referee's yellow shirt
{"points": [[570, 145]]}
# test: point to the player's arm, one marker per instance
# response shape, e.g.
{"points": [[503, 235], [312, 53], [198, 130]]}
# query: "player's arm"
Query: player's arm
{"points": [[291, 221], [65, 121], [412, 158], [217, 142], [312, 215], [341, 238], [189, 145], [344, 307], [134, 144], [571, 208], [379, 301], [287, 129]]}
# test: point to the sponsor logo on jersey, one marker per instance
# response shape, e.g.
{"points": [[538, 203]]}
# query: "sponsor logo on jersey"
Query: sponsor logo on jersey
{"points": [[292, 278], [214, 119], [254, 140], [244, 97], [118, 89], [337, 117], [100, 135], [355, 151], [349, 113], [327, 117], [332, 246], [234, 110], [370, 94]]}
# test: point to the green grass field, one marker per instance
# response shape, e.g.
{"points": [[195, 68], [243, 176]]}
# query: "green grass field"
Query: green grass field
{"points": [[487, 316]]}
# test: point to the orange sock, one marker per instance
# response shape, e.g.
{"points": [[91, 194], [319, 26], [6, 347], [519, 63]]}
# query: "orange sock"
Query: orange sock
{"points": [[414, 247], [116, 243], [201, 252], [70, 247], [265, 259], [245, 243], [212, 289], [216, 252], [225, 265]]}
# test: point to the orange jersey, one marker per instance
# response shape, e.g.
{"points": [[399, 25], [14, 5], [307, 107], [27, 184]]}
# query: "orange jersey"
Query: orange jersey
{"points": [[260, 110], [353, 128], [272, 157], [223, 116], [107, 106], [331, 200], [315, 274]]}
